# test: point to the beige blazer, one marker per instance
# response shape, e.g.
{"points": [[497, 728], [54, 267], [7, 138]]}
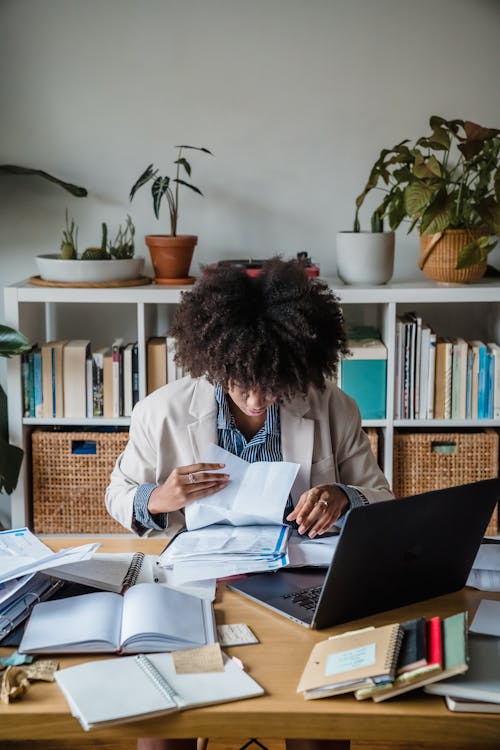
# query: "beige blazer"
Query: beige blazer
{"points": [[173, 425]]}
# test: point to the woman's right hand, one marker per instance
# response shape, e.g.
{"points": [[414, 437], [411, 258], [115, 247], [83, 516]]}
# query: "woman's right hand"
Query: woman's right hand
{"points": [[184, 484]]}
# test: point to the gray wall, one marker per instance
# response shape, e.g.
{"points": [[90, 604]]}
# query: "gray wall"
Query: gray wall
{"points": [[295, 98]]}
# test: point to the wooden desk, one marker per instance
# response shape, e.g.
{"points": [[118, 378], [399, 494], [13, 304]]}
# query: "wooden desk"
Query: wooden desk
{"points": [[276, 663]]}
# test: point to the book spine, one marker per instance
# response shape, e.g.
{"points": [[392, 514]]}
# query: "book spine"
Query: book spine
{"points": [[38, 385], [434, 642], [135, 375]]}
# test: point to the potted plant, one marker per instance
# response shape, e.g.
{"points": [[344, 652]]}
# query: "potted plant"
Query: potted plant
{"points": [[12, 342], [366, 257], [170, 254], [448, 186], [89, 268]]}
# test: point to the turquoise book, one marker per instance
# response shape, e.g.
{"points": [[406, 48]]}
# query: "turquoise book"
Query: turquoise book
{"points": [[364, 376]]}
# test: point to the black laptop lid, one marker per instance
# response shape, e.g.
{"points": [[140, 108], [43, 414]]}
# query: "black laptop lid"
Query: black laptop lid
{"points": [[397, 552]]}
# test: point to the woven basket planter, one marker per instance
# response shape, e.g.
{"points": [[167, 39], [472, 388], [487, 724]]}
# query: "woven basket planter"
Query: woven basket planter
{"points": [[439, 255]]}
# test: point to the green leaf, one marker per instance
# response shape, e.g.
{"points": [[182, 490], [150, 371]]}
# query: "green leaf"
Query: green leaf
{"points": [[185, 164], [426, 167], [417, 196], [10, 464], [187, 184], [475, 252], [75, 190], [437, 216], [147, 175], [12, 342], [158, 190], [489, 211]]}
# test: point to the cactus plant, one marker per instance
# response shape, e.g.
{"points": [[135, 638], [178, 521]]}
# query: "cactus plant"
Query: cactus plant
{"points": [[123, 244], [99, 253], [69, 244]]}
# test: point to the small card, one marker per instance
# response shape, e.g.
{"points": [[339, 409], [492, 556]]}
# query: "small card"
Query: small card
{"points": [[196, 660], [237, 634]]}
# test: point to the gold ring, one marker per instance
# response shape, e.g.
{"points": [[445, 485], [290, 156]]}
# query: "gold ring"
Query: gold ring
{"points": [[191, 479], [323, 502]]}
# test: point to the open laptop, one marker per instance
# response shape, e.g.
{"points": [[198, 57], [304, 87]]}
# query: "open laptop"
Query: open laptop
{"points": [[389, 554]]}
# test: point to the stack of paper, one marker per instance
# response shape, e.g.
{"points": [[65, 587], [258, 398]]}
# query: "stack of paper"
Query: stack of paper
{"points": [[238, 529], [220, 550], [485, 573], [22, 553]]}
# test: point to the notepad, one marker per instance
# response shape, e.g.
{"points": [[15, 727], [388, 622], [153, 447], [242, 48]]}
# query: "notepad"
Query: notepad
{"points": [[352, 660], [147, 617], [109, 571], [100, 693]]}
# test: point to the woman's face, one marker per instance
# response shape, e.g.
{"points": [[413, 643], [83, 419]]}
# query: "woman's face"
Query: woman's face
{"points": [[252, 403]]}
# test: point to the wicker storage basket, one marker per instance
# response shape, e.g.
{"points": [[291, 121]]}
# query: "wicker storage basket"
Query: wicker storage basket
{"points": [[70, 475], [429, 461], [372, 433]]}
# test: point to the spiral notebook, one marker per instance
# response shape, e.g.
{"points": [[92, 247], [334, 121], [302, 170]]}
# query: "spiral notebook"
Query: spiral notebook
{"points": [[100, 693], [355, 659], [109, 571]]}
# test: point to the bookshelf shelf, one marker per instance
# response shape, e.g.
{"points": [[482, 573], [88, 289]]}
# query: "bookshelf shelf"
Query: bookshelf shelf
{"points": [[137, 313]]}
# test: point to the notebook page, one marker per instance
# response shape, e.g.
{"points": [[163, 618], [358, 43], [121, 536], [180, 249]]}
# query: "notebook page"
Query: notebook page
{"points": [[90, 620]]}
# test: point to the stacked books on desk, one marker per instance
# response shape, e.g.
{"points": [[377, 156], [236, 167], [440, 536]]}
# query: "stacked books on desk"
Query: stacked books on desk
{"points": [[382, 662]]}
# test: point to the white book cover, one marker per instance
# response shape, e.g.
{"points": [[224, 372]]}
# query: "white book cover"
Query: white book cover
{"points": [[425, 337], [459, 379], [75, 355], [117, 369], [127, 380], [106, 692]]}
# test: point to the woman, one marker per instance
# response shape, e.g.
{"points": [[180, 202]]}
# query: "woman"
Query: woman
{"points": [[261, 352]]}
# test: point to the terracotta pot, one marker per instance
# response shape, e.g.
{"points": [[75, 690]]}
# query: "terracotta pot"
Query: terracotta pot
{"points": [[171, 256], [439, 256]]}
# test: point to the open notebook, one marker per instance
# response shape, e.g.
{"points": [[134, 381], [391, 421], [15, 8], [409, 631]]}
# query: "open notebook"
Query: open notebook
{"points": [[146, 618], [106, 692]]}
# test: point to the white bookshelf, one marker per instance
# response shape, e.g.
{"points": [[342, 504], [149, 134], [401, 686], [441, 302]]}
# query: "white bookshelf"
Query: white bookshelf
{"points": [[136, 313]]}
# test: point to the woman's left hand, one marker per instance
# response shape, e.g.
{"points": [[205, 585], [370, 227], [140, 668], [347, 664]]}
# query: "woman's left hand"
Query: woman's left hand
{"points": [[318, 509]]}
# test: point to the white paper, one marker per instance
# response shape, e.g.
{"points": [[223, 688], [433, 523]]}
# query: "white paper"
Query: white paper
{"points": [[21, 552], [487, 558], [220, 550], [256, 494], [487, 618], [305, 551], [484, 580]]}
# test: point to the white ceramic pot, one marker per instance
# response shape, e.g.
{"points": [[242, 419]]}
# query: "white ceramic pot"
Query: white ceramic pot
{"points": [[365, 257], [54, 268]]}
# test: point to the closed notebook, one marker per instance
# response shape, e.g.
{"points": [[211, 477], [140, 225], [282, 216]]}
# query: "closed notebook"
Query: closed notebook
{"points": [[453, 650], [147, 617], [470, 706], [413, 653], [482, 680], [100, 693], [351, 660], [109, 571]]}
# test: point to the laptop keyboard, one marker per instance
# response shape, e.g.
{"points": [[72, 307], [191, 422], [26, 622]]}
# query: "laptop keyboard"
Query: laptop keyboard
{"points": [[307, 598]]}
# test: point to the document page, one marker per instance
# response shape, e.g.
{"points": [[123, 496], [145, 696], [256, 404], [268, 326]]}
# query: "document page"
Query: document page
{"points": [[90, 622], [152, 614], [256, 493]]}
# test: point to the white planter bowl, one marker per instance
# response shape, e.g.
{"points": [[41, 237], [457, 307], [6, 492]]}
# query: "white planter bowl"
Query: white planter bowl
{"points": [[54, 268], [365, 257]]}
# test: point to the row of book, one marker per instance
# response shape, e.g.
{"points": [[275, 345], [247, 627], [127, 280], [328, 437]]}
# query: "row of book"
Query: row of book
{"points": [[444, 378], [382, 662], [67, 378]]}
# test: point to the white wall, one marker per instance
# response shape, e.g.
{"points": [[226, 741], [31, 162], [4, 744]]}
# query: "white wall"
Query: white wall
{"points": [[295, 98]]}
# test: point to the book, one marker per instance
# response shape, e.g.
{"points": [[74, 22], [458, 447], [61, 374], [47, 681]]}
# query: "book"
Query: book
{"points": [[107, 383], [147, 617], [482, 394], [135, 374], [474, 348], [468, 705], [481, 682], [109, 571], [459, 378], [109, 691], [442, 384], [156, 360], [98, 380], [413, 654], [127, 379], [351, 660], [117, 370], [75, 355], [52, 379], [432, 374], [454, 660], [494, 350], [425, 344], [434, 641]]}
